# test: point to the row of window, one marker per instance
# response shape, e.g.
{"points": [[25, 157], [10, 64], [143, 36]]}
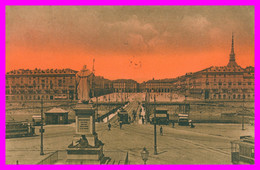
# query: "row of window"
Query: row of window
{"points": [[230, 83], [234, 96], [227, 75], [38, 97], [42, 82]]}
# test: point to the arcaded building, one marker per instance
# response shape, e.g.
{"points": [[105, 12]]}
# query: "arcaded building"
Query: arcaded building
{"points": [[165, 85], [125, 85], [230, 82], [49, 84]]}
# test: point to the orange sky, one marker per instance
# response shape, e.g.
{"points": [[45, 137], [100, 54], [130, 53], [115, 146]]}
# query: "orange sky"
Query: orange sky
{"points": [[133, 46]]}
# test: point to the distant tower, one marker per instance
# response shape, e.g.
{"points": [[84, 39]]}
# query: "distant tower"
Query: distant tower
{"points": [[232, 59], [93, 67]]}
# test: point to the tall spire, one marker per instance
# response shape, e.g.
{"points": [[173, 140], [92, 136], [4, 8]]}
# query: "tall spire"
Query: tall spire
{"points": [[232, 45], [232, 59]]}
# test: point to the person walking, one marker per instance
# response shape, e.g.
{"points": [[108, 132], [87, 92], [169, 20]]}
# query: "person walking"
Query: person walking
{"points": [[120, 124], [109, 126], [142, 120], [172, 124], [161, 131]]}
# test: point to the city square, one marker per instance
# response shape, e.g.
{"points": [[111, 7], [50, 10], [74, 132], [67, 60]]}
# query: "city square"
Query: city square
{"points": [[116, 86]]}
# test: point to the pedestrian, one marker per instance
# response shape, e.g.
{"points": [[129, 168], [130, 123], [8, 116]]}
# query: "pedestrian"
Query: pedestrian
{"points": [[142, 120], [172, 124], [191, 125], [161, 131], [109, 126], [120, 124]]}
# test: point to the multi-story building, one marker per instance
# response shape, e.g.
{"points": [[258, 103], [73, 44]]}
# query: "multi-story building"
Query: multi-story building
{"points": [[49, 84], [102, 85], [165, 85], [125, 85], [231, 82]]}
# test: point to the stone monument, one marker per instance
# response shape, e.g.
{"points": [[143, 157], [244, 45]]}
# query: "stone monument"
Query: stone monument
{"points": [[84, 81], [85, 148]]}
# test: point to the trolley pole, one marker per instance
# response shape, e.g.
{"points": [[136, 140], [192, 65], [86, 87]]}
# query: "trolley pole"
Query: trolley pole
{"points": [[154, 119], [41, 127]]}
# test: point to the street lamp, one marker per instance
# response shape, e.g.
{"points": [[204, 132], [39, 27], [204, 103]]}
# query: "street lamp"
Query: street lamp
{"points": [[154, 121], [145, 155], [42, 130]]}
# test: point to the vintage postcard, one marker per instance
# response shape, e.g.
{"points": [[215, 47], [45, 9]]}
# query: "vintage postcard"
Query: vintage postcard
{"points": [[130, 85]]}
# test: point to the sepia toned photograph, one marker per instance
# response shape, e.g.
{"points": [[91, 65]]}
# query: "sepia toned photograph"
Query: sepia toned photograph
{"points": [[130, 85]]}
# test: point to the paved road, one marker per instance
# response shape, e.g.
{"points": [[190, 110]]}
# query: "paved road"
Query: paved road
{"points": [[206, 144]]}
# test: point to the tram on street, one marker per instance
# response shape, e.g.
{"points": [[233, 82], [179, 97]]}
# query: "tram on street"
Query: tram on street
{"points": [[123, 116], [36, 119], [19, 129], [183, 119], [161, 117], [243, 150], [183, 116]]}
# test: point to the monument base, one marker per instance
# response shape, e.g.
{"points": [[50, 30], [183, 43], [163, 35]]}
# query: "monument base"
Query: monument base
{"points": [[85, 155], [92, 139]]}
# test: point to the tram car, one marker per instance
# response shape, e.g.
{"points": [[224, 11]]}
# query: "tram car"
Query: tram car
{"points": [[19, 129], [36, 119], [183, 119], [162, 117], [243, 150], [183, 116], [123, 116]]}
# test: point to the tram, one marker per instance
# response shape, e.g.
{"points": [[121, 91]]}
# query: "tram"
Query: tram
{"points": [[183, 119], [123, 116], [36, 119], [243, 150], [162, 117], [19, 129], [183, 116]]}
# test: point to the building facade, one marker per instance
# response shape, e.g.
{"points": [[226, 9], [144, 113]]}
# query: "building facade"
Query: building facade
{"points": [[102, 86], [230, 82], [165, 85], [125, 85], [49, 84]]}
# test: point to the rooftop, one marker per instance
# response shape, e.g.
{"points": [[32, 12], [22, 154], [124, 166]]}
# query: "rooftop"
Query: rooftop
{"points": [[40, 71], [57, 110]]}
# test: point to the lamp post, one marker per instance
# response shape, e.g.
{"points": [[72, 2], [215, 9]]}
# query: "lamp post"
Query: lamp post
{"points": [[144, 155], [154, 121], [243, 115], [42, 130], [108, 107]]}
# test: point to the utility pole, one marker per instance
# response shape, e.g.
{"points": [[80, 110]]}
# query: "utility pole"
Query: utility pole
{"points": [[243, 115], [108, 107], [41, 130], [97, 105], [154, 118], [147, 111]]}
